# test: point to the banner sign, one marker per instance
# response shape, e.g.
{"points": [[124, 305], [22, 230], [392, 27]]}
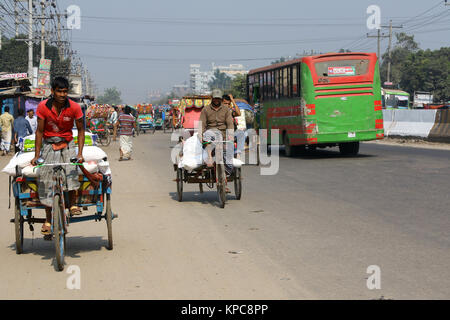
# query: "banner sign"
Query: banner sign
{"points": [[341, 71], [14, 76], [44, 73]]}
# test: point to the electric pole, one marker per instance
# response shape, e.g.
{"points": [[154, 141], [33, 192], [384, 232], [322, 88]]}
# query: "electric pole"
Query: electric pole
{"points": [[379, 36], [30, 38], [390, 47]]}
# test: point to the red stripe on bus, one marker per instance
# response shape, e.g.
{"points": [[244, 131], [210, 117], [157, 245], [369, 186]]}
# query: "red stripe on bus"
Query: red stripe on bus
{"points": [[378, 108], [379, 124], [380, 135], [344, 95], [343, 89]]}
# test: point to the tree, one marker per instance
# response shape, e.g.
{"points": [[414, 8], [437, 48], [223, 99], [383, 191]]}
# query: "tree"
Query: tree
{"points": [[14, 57], [404, 46], [239, 86], [427, 71], [110, 96], [220, 81]]}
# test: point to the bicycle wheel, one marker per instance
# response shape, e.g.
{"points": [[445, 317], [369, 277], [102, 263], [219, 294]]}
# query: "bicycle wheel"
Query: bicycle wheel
{"points": [[18, 224], [238, 183], [109, 219], [220, 176], [58, 231]]}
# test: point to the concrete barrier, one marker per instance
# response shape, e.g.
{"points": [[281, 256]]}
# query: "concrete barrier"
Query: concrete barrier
{"points": [[408, 123], [441, 129]]}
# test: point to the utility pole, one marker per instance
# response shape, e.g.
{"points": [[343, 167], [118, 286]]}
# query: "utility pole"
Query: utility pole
{"points": [[42, 30], [30, 38], [389, 48], [379, 36]]}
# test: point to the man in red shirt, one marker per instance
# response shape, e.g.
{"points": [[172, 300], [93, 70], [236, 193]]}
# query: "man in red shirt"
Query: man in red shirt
{"points": [[54, 138]]}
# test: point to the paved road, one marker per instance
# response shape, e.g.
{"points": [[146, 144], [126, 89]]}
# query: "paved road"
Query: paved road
{"points": [[308, 232]]}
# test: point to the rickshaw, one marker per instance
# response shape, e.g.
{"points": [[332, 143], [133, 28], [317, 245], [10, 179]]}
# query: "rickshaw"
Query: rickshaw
{"points": [[99, 127], [95, 191], [145, 122], [214, 176], [157, 120]]}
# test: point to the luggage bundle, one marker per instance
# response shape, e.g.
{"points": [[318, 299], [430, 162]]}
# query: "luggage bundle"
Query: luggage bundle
{"points": [[94, 157]]}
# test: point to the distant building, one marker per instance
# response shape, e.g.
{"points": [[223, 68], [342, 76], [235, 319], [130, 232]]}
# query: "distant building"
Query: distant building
{"points": [[232, 70], [181, 90], [199, 80]]}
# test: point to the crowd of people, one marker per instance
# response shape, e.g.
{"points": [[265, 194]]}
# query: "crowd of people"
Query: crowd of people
{"points": [[14, 130]]}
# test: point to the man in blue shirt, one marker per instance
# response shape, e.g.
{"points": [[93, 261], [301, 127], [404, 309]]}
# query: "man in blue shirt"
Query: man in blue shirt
{"points": [[22, 129]]}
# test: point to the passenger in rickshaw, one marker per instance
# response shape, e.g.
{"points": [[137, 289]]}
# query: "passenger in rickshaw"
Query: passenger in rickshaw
{"points": [[239, 125], [215, 118]]}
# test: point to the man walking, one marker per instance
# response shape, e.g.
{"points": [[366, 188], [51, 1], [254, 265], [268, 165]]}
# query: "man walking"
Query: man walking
{"points": [[126, 124], [7, 126], [113, 120], [22, 129], [32, 120]]}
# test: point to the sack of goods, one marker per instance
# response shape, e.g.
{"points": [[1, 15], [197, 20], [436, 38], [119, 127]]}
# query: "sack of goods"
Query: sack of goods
{"points": [[95, 160], [29, 141], [195, 156]]}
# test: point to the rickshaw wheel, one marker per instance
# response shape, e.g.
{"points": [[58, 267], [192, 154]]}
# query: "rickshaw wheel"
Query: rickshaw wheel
{"points": [[58, 232], [106, 139], [220, 174], [109, 222], [238, 183], [18, 223], [154, 129], [180, 184]]}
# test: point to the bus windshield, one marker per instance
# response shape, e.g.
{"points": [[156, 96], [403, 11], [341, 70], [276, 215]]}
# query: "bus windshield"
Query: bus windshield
{"points": [[342, 68]]}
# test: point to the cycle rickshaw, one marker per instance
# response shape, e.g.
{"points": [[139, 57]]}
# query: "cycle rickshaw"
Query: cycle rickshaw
{"points": [[95, 191], [201, 174]]}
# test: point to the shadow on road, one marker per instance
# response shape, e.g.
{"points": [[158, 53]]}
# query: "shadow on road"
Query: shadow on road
{"points": [[74, 247], [209, 196]]}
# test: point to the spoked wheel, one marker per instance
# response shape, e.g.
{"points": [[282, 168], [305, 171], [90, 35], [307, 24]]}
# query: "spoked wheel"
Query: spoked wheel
{"points": [[106, 139], [238, 183], [220, 176], [109, 219], [59, 233], [180, 184], [18, 224]]}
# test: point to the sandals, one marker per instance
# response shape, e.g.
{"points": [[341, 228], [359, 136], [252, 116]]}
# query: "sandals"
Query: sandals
{"points": [[75, 211], [46, 229]]}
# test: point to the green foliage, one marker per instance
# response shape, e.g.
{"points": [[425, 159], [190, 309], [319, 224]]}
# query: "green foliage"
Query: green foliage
{"points": [[220, 81], [14, 57], [239, 86], [413, 69], [110, 96]]}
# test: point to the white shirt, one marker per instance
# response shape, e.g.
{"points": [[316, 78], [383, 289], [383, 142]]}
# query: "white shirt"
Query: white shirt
{"points": [[113, 118], [33, 123]]}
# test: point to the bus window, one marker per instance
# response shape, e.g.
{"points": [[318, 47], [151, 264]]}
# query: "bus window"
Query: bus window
{"points": [[342, 68], [294, 81], [285, 82]]}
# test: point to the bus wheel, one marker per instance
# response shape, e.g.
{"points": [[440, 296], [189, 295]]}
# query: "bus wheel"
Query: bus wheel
{"points": [[288, 149], [349, 148]]}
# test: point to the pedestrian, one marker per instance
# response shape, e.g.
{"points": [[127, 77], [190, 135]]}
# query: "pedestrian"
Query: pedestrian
{"points": [[54, 137], [239, 124], [7, 126], [112, 120], [126, 123], [22, 128], [32, 120]]}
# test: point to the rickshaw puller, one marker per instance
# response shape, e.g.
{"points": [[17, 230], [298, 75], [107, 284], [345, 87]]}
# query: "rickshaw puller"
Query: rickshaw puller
{"points": [[54, 137]]}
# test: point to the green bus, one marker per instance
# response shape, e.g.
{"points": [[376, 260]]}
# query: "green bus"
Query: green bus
{"points": [[320, 101]]}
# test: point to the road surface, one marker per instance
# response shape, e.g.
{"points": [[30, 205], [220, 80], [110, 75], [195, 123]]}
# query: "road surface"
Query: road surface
{"points": [[308, 232]]}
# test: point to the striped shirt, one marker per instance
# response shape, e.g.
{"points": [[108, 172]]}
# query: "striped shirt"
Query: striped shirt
{"points": [[126, 123]]}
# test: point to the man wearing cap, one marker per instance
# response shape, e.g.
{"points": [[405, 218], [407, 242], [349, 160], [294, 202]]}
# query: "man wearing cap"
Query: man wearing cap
{"points": [[217, 117]]}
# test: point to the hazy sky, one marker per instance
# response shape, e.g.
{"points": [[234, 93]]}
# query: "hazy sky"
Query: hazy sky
{"points": [[143, 45]]}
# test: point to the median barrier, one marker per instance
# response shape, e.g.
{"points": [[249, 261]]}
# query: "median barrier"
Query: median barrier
{"points": [[441, 129], [409, 123]]}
